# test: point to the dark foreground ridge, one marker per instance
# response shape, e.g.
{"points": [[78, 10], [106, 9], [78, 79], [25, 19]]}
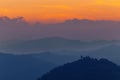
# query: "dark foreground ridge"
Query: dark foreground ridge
{"points": [[85, 69]]}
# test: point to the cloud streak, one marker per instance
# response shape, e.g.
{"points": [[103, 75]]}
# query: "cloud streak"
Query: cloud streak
{"points": [[19, 29]]}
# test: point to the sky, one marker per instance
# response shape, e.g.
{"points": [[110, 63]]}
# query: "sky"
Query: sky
{"points": [[60, 10], [66, 19]]}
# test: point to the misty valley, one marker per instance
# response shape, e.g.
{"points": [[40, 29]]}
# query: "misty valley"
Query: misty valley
{"points": [[57, 58]]}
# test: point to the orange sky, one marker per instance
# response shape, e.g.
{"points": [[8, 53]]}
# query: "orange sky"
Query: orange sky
{"points": [[51, 10]]}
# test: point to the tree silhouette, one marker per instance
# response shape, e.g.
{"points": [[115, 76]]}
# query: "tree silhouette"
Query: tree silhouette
{"points": [[85, 69]]}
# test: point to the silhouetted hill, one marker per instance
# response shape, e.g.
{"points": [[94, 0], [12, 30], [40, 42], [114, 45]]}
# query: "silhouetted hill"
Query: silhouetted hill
{"points": [[85, 69]]}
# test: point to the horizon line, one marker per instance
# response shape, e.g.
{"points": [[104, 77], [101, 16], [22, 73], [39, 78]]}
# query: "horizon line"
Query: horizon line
{"points": [[54, 21]]}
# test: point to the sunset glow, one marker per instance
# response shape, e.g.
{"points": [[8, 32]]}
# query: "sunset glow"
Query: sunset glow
{"points": [[59, 10]]}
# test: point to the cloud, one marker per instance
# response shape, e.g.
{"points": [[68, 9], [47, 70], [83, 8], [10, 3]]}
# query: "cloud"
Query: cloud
{"points": [[19, 29]]}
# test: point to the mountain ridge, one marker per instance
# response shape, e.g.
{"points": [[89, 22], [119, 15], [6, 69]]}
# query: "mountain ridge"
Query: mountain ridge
{"points": [[85, 68], [52, 43]]}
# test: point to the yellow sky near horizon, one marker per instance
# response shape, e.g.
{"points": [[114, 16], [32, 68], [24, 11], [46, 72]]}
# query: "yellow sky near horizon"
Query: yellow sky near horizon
{"points": [[57, 10]]}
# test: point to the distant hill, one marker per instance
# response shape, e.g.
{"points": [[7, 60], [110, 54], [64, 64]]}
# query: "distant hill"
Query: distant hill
{"points": [[51, 43], [57, 59], [22, 67], [85, 69], [111, 52]]}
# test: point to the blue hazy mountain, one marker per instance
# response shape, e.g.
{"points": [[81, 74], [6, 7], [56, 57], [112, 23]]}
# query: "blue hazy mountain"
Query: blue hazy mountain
{"points": [[55, 58], [111, 52], [85, 69], [22, 67], [30, 66], [45, 44], [51, 43]]}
